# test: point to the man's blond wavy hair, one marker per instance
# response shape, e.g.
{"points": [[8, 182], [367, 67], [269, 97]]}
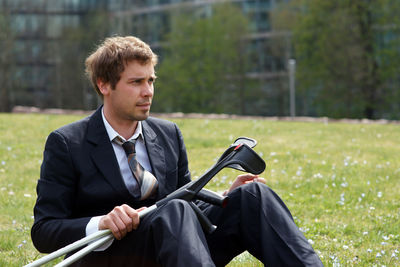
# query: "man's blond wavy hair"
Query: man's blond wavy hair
{"points": [[110, 58]]}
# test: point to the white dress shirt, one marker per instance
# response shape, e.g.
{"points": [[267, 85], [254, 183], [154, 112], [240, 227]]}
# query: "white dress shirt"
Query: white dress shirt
{"points": [[141, 156]]}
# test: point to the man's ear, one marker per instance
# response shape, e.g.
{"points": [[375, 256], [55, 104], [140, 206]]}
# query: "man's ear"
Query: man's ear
{"points": [[103, 87]]}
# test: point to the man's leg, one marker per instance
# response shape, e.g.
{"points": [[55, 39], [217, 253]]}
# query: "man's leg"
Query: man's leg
{"points": [[257, 220], [170, 236]]}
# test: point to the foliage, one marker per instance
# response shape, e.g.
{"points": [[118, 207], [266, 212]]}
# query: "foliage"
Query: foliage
{"points": [[340, 181], [73, 90], [347, 54], [205, 62]]}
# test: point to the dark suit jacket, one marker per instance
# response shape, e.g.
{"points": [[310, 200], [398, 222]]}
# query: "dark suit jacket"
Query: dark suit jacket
{"points": [[80, 177]]}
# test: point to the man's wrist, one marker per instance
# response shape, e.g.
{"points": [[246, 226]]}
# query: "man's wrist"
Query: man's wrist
{"points": [[93, 227]]}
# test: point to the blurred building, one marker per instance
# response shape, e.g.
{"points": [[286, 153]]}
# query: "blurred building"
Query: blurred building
{"points": [[39, 29]]}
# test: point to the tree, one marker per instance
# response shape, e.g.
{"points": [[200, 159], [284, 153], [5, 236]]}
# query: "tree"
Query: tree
{"points": [[347, 54], [205, 61], [6, 61], [73, 89]]}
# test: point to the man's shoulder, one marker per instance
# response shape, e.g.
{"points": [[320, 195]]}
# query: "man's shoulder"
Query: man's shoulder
{"points": [[75, 130], [161, 126], [153, 121], [74, 126]]}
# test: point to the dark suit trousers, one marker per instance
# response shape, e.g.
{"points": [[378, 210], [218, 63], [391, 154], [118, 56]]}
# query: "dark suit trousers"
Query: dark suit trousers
{"points": [[170, 236], [255, 220], [258, 221]]}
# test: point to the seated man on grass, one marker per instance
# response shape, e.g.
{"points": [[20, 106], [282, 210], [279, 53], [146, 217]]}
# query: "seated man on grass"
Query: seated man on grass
{"points": [[87, 183]]}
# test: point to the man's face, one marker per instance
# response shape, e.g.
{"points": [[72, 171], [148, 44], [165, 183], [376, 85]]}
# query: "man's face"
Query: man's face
{"points": [[131, 99]]}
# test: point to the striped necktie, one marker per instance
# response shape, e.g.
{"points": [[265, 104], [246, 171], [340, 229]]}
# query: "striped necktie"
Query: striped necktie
{"points": [[147, 182]]}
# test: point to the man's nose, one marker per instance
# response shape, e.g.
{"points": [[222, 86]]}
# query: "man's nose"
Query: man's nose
{"points": [[147, 89]]}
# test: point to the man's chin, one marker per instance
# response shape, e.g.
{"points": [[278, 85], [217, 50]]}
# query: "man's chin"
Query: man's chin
{"points": [[143, 116]]}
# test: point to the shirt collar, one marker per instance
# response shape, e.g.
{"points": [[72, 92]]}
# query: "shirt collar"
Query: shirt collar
{"points": [[112, 133]]}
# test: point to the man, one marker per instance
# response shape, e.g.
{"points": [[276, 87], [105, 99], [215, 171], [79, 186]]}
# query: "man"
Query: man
{"points": [[87, 183]]}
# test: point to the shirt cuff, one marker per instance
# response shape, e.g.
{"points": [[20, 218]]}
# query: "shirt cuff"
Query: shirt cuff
{"points": [[93, 227]]}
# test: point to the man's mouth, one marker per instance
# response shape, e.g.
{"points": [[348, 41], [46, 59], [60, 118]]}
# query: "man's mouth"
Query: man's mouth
{"points": [[144, 105]]}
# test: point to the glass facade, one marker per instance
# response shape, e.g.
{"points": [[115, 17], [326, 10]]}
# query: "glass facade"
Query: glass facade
{"points": [[39, 27]]}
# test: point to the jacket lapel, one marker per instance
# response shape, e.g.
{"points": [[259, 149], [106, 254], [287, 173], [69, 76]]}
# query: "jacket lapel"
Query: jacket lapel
{"points": [[103, 154], [156, 157]]}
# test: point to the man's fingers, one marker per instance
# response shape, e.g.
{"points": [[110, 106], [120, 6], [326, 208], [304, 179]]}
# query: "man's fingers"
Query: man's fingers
{"points": [[248, 177], [253, 179], [133, 216], [260, 180], [142, 208], [106, 222], [121, 220]]}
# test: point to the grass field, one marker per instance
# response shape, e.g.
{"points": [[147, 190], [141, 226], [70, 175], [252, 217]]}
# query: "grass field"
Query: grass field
{"points": [[341, 181]]}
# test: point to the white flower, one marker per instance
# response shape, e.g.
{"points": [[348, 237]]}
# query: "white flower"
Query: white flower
{"points": [[311, 242], [379, 194], [318, 175], [345, 247]]}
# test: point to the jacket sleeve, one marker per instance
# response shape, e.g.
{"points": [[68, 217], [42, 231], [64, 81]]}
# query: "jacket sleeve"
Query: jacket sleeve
{"points": [[55, 226]]}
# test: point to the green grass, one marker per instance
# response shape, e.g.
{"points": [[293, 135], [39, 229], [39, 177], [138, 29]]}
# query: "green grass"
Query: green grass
{"points": [[341, 181]]}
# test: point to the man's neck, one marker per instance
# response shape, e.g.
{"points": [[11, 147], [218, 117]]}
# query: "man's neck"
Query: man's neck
{"points": [[126, 128]]}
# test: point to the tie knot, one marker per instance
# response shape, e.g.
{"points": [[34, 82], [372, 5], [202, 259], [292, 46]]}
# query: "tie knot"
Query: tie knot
{"points": [[129, 147]]}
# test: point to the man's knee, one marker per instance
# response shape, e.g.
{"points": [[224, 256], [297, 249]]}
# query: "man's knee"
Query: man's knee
{"points": [[174, 213], [255, 190], [259, 195], [176, 206]]}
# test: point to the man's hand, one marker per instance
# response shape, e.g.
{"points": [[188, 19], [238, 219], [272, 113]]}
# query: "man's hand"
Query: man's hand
{"points": [[121, 220], [245, 179]]}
